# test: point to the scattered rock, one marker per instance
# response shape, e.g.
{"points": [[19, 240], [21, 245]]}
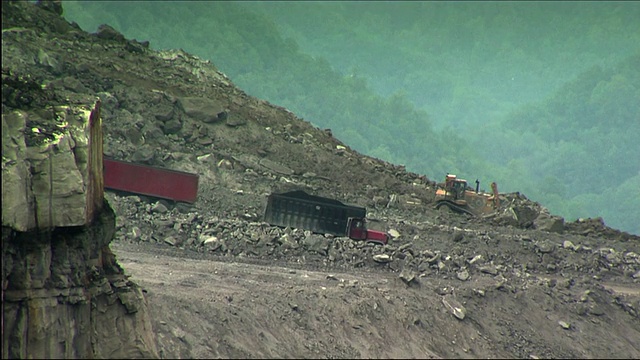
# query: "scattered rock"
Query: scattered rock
{"points": [[202, 109], [159, 208], [596, 310], [276, 167], [475, 259], [235, 121], [172, 126], [144, 154], [408, 276], [382, 258], [454, 307], [393, 233], [545, 246], [457, 236], [136, 233], [463, 275], [547, 222], [488, 269], [108, 33], [564, 325]]}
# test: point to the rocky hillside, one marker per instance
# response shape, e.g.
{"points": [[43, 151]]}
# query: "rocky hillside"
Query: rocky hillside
{"points": [[174, 110]]}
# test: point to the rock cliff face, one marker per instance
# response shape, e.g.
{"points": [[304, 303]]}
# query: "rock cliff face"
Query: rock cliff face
{"points": [[52, 172], [63, 294]]}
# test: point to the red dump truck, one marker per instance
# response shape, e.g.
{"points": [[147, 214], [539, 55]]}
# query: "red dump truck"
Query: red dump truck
{"points": [[321, 215]]}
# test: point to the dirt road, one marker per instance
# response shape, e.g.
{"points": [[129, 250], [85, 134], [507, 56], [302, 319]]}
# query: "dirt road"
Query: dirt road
{"points": [[212, 308]]}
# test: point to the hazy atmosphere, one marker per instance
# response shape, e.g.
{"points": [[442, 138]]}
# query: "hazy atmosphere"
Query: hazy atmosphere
{"points": [[541, 97]]}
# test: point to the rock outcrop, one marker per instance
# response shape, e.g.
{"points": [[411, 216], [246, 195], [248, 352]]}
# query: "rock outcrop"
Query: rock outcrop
{"points": [[64, 296], [51, 167], [63, 293]]}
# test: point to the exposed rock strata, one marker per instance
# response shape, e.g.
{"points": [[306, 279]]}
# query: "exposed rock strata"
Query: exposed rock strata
{"points": [[49, 177], [63, 294]]}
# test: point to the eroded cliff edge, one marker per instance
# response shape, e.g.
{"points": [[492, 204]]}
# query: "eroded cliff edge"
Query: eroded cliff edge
{"points": [[63, 293]]}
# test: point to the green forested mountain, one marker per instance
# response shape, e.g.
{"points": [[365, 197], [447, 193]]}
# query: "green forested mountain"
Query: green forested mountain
{"points": [[449, 55], [579, 147], [542, 97]]}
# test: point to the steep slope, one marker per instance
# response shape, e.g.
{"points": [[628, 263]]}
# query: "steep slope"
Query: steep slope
{"points": [[221, 282], [464, 63]]}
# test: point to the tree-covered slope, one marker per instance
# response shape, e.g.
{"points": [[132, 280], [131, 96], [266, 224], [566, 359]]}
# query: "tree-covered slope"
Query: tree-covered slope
{"points": [[462, 61], [579, 148]]}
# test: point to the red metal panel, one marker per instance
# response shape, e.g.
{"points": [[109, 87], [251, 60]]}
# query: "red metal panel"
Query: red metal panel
{"points": [[377, 237], [151, 181]]}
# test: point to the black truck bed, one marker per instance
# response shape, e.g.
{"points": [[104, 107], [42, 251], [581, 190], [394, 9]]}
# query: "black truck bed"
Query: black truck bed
{"points": [[297, 209]]}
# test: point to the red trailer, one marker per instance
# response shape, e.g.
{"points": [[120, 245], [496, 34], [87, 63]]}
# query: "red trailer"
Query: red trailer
{"points": [[150, 181]]}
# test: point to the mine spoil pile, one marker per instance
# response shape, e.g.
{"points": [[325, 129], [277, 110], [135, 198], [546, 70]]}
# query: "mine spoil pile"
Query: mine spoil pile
{"points": [[212, 279]]}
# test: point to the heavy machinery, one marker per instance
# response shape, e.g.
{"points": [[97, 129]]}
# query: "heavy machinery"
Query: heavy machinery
{"points": [[297, 209], [455, 195]]}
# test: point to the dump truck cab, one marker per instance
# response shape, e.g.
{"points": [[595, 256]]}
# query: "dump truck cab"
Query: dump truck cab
{"points": [[358, 231]]}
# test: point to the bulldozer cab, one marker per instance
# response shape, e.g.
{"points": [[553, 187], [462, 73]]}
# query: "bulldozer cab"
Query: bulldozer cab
{"points": [[455, 188]]}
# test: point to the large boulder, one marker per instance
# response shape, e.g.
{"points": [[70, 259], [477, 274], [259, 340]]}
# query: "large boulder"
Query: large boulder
{"points": [[201, 109], [51, 167], [550, 223]]}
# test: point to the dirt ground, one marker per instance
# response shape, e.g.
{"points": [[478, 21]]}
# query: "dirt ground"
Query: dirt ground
{"points": [[222, 283], [255, 311], [212, 308]]}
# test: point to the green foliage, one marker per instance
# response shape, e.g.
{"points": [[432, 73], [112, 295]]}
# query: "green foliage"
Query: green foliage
{"points": [[588, 132]]}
